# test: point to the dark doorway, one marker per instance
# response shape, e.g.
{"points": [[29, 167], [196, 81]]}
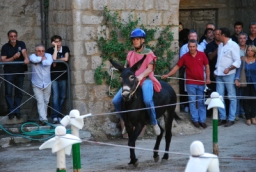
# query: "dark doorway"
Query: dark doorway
{"points": [[196, 19]]}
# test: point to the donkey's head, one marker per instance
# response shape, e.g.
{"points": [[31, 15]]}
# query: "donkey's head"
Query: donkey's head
{"points": [[129, 81]]}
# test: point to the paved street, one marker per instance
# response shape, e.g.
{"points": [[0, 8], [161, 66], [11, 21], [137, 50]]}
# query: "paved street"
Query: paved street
{"points": [[236, 141]]}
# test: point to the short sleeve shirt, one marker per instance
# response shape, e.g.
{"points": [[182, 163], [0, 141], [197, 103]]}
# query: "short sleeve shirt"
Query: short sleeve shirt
{"points": [[57, 71], [9, 51], [194, 67]]}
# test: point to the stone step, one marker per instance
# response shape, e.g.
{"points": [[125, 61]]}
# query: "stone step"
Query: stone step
{"points": [[6, 120]]}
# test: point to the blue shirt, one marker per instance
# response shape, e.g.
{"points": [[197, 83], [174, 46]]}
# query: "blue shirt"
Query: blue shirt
{"points": [[41, 70], [250, 73]]}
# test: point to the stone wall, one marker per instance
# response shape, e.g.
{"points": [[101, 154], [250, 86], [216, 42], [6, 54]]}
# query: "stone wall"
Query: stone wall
{"points": [[23, 16], [229, 11], [245, 11], [80, 23]]}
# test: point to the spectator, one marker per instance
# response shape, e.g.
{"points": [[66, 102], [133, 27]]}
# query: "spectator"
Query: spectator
{"points": [[208, 33], [239, 90], [194, 62], [208, 25], [212, 52], [16, 51], [227, 62], [180, 26], [200, 161], [183, 37], [182, 86], [252, 36], [41, 80], [238, 27], [191, 35], [58, 76], [248, 67]]}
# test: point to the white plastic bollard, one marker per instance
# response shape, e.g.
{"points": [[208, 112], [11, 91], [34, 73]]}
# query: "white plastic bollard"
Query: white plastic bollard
{"points": [[77, 122], [62, 144], [215, 102], [200, 161]]}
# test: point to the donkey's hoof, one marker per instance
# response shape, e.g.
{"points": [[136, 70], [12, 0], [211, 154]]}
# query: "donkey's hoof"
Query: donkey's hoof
{"points": [[156, 159], [135, 163]]}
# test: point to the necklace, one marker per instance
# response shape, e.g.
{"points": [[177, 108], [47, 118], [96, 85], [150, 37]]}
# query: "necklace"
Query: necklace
{"points": [[250, 61]]}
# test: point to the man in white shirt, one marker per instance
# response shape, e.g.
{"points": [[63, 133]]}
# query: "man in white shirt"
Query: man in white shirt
{"points": [[227, 62], [41, 80], [184, 49]]}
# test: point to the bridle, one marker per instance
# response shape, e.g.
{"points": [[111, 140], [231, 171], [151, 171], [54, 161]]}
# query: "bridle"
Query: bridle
{"points": [[134, 89]]}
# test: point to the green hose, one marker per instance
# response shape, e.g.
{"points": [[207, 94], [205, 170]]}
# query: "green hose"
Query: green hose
{"points": [[37, 132]]}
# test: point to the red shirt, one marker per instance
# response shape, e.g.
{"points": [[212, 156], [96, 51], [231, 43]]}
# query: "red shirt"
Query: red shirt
{"points": [[194, 67]]}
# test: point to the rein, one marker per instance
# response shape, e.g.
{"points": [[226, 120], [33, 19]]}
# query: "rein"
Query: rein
{"points": [[135, 89]]}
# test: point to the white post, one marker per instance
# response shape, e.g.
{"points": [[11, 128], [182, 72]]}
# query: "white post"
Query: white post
{"points": [[61, 160]]}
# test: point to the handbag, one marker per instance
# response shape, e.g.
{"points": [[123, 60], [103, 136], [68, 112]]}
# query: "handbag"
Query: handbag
{"points": [[243, 76]]}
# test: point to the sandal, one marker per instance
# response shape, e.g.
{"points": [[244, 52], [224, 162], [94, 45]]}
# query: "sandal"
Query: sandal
{"points": [[248, 122]]}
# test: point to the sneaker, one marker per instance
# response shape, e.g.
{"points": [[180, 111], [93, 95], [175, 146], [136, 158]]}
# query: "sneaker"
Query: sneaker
{"points": [[156, 129], [59, 119], [124, 131], [196, 124], [237, 118], [203, 125], [186, 109], [11, 116], [43, 123], [229, 123], [55, 121]]}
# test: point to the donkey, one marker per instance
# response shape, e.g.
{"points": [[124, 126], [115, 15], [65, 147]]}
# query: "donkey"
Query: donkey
{"points": [[136, 120]]}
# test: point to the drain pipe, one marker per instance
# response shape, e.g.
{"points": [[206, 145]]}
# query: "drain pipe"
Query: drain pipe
{"points": [[43, 24]]}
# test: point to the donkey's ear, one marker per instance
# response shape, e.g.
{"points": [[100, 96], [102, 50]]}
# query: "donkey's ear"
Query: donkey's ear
{"points": [[137, 65], [116, 65]]}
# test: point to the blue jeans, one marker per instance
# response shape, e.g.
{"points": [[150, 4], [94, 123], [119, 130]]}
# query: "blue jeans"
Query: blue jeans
{"points": [[59, 89], [147, 91], [196, 94], [239, 107], [227, 82], [13, 104]]}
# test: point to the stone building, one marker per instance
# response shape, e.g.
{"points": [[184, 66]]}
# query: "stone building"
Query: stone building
{"points": [[79, 23]]}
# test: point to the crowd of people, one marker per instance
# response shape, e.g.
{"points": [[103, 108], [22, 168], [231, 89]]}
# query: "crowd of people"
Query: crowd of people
{"points": [[219, 61], [48, 79], [230, 70]]}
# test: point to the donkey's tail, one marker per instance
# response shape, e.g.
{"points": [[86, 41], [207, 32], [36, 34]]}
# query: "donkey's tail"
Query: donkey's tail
{"points": [[177, 117]]}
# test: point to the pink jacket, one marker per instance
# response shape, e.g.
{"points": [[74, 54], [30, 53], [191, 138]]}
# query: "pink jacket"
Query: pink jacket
{"points": [[133, 57]]}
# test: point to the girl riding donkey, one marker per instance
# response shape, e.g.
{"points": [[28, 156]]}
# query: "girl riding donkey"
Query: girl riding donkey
{"points": [[145, 75]]}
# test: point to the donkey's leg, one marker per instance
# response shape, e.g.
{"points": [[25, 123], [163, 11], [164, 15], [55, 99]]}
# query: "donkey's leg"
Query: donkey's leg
{"points": [[157, 144], [168, 132], [133, 135]]}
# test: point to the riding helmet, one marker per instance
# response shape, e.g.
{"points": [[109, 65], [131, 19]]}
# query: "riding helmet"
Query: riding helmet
{"points": [[138, 33]]}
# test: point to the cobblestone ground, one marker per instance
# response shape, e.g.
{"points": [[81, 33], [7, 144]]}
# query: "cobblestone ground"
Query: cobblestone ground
{"points": [[238, 140]]}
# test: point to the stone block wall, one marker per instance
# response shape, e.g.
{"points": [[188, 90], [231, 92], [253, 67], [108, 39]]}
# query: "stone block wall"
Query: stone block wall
{"points": [[229, 11], [23, 16], [80, 23]]}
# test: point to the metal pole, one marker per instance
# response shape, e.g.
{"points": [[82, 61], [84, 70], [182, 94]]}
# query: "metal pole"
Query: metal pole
{"points": [[61, 161], [215, 131], [76, 151]]}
